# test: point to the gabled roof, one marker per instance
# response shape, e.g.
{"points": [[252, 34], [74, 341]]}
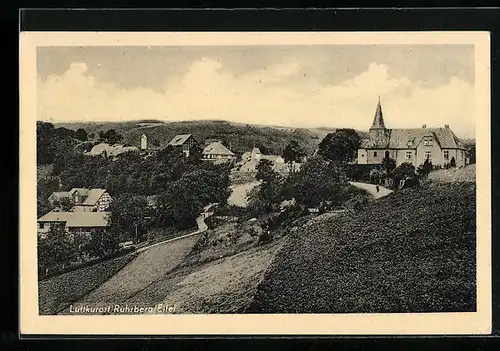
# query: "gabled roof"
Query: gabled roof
{"points": [[179, 139], [81, 191], [216, 148], [93, 196], [399, 138], [111, 150], [90, 196], [57, 195], [78, 219]]}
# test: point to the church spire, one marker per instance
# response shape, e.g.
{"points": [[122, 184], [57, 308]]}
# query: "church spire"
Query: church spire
{"points": [[378, 120]]}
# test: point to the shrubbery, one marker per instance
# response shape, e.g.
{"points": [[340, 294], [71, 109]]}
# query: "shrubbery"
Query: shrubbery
{"points": [[59, 249]]}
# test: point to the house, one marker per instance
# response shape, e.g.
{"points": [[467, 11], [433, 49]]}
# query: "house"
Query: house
{"points": [[250, 160], [412, 145], [217, 153], [186, 141], [75, 222], [106, 150], [83, 199]]}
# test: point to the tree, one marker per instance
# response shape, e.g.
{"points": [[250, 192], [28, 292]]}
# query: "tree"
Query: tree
{"points": [[265, 171], [453, 163], [427, 167], [130, 217], [155, 142], [340, 146], [110, 136], [55, 248], [65, 204], [316, 182], [81, 134], [389, 164], [404, 171], [471, 153], [293, 152], [102, 242]]}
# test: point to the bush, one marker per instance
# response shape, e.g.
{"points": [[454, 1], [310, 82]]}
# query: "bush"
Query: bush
{"points": [[265, 237]]}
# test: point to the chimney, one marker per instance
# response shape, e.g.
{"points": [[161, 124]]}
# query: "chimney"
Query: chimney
{"points": [[447, 126], [424, 125]]}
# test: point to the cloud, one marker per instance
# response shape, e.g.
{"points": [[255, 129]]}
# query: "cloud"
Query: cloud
{"points": [[280, 94]]}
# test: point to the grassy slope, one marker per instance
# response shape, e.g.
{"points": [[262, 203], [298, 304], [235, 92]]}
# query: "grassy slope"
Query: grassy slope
{"points": [[148, 266], [466, 174], [412, 251], [59, 292], [221, 286]]}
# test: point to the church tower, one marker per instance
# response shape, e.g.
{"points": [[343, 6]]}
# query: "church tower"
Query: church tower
{"points": [[378, 132]]}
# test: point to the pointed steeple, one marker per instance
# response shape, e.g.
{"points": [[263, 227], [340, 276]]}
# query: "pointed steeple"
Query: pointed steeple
{"points": [[378, 120]]}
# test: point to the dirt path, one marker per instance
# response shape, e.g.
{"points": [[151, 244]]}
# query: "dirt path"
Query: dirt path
{"points": [[240, 192], [152, 264], [372, 189]]}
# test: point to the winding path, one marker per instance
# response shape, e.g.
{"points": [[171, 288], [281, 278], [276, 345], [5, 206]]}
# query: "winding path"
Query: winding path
{"points": [[239, 193], [372, 189], [151, 264]]}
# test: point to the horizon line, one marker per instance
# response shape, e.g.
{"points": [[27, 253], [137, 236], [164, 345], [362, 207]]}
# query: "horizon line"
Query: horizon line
{"points": [[138, 120]]}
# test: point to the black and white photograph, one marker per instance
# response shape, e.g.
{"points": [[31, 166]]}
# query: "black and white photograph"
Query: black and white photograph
{"points": [[321, 177]]}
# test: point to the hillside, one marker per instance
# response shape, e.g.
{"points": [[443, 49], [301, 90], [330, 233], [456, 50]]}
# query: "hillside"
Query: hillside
{"points": [[399, 254], [242, 137]]}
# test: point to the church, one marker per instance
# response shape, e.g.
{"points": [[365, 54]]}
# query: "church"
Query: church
{"points": [[413, 145]]}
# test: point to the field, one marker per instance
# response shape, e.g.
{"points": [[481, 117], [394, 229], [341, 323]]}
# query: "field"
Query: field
{"points": [[221, 286], [411, 251], [148, 267], [57, 293]]}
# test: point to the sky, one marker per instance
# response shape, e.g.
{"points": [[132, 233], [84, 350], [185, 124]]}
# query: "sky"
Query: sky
{"points": [[297, 86]]}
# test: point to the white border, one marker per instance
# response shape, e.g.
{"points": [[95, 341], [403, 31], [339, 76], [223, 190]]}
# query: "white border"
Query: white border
{"points": [[310, 324]]}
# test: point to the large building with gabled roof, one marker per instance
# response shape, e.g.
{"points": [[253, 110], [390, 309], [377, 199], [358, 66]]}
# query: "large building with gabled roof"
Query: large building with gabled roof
{"points": [[412, 145], [184, 141], [217, 153]]}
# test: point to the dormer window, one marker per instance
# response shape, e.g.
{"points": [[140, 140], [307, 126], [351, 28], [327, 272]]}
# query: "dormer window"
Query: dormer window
{"points": [[427, 142]]}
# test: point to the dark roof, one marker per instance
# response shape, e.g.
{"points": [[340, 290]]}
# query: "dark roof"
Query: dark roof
{"points": [[400, 138], [378, 120], [179, 139]]}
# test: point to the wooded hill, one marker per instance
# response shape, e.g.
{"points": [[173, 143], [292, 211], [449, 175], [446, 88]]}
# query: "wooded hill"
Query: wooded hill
{"points": [[242, 137]]}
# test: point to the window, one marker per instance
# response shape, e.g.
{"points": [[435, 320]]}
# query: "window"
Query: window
{"points": [[428, 155], [374, 153], [42, 225], [427, 142], [408, 155], [446, 154]]}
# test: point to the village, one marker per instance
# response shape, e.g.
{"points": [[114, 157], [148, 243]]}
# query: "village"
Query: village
{"points": [[211, 187]]}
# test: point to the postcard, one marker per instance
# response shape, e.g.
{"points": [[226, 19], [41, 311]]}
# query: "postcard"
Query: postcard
{"points": [[257, 183]]}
